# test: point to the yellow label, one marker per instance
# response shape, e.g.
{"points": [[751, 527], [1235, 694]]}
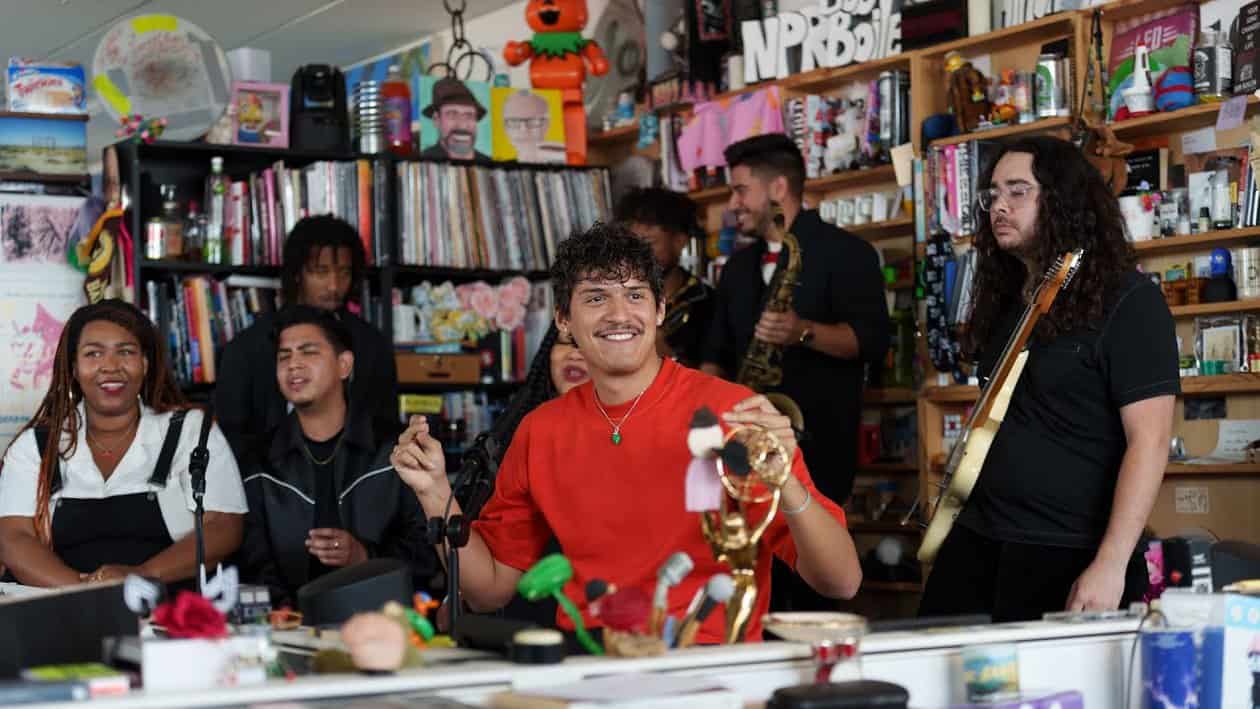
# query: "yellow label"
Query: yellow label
{"points": [[154, 23], [420, 403], [111, 93]]}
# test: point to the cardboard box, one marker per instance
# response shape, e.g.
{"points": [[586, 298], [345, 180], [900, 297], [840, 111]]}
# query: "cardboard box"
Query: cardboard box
{"points": [[43, 144], [438, 368]]}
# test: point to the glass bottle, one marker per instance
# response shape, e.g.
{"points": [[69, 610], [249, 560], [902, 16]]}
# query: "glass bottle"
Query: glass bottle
{"points": [[216, 201], [194, 233], [172, 225]]}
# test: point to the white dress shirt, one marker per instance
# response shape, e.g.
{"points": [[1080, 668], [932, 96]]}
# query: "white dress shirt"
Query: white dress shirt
{"points": [[82, 479]]}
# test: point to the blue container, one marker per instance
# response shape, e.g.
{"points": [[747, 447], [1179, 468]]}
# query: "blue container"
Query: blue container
{"points": [[1169, 669]]}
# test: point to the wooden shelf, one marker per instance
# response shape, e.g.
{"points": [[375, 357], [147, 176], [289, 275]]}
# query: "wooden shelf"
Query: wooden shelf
{"points": [[851, 178], [1047, 28], [1192, 242], [827, 78], [412, 272], [1220, 384], [890, 229], [956, 394], [1006, 131], [1185, 119], [1214, 469], [892, 586], [28, 176], [886, 468], [817, 185], [721, 193], [616, 135], [883, 528], [1120, 10], [1230, 306], [889, 396], [442, 388]]}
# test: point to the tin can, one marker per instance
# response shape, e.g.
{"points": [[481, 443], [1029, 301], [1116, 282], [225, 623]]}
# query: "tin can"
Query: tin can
{"points": [[1053, 85], [155, 239]]}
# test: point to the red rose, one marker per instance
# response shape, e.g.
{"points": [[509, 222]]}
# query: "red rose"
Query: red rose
{"points": [[190, 615]]}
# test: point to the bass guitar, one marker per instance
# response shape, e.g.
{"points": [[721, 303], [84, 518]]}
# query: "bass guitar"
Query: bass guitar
{"points": [[962, 469]]}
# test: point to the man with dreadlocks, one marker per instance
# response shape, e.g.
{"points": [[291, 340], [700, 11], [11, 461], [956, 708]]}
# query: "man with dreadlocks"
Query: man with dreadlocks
{"points": [[323, 267], [1071, 476], [602, 468], [96, 485]]}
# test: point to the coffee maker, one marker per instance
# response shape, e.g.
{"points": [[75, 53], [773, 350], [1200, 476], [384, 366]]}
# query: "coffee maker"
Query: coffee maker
{"points": [[319, 117]]}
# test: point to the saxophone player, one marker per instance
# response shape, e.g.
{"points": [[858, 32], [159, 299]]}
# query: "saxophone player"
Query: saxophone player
{"points": [[836, 324], [667, 220]]}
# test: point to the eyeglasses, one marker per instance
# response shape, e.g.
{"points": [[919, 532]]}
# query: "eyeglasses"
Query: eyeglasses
{"points": [[519, 123], [1016, 196]]}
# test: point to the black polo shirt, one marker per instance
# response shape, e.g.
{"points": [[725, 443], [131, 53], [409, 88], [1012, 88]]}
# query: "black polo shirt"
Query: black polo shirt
{"points": [[840, 282], [1051, 471]]}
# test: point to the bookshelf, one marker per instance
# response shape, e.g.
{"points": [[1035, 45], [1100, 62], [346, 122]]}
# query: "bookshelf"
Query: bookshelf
{"points": [[144, 167]]}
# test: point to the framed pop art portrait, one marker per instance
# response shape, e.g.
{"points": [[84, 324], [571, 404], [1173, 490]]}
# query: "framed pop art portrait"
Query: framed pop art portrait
{"points": [[260, 114]]}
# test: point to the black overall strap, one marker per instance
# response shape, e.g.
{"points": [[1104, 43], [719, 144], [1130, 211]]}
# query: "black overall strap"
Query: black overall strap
{"points": [[41, 441], [162, 471], [201, 454]]}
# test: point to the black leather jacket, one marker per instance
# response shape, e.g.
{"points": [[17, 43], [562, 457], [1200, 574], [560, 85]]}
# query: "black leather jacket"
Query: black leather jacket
{"points": [[374, 505]]}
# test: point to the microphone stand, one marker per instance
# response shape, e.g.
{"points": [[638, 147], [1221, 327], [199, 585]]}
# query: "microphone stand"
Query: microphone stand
{"points": [[479, 469], [198, 462]]}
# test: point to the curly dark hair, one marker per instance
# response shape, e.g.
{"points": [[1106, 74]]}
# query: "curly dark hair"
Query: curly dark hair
{"points": [[603, 252], [309, 237], [1075, 210], [335, 331], [656, 206]]}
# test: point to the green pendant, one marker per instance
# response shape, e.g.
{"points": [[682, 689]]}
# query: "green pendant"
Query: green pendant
{"points": [[616, 438]]}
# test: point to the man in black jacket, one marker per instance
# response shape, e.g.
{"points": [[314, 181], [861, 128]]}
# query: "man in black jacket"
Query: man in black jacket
{"points": [[321, 492], [323, 265]]}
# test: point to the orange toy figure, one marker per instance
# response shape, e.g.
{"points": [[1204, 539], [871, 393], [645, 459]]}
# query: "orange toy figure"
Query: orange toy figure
{"points": [[558, 54]]}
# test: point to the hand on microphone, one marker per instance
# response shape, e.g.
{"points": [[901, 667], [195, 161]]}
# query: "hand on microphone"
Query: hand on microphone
{"points": [[419, 461], [717, 591]]}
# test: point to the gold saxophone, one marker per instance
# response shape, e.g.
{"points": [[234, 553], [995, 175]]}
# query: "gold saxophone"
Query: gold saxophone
{"points": [[762, 367]]}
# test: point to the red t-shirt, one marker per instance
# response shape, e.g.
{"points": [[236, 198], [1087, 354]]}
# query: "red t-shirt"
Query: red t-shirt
{"points": [[618, 510]]}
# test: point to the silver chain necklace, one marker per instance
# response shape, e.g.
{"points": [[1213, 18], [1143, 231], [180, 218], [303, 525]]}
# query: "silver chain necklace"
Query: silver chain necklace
{"points": [[616, 427]]}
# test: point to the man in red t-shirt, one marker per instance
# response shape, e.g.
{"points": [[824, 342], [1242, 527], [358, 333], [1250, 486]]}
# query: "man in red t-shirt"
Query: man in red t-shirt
{"points": [[603, 467]]}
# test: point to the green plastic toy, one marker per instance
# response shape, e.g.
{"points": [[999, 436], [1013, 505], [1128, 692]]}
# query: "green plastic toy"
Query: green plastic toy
{"points": [[547, 578]]}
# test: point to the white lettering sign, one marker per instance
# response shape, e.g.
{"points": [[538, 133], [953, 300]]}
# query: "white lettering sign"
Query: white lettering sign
{"points": [[835, 33]]}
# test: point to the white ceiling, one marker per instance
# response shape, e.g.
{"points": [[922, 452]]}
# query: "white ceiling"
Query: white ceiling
{"points": [[296, 32]]}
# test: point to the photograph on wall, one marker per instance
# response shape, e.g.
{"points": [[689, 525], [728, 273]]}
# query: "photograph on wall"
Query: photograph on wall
{"points": [[454, 119], [38, 292], [36, 229], [527, 125], [261, 115]]}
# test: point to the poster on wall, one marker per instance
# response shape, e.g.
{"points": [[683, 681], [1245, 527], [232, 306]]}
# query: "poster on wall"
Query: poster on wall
{"points": [[38, 292], [454, 119], [527, 125]]}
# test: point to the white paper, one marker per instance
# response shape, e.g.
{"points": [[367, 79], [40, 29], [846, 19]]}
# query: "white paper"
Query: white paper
{"points": [[1232, 439], [1231, 114], [620, 688], [903, 159], [1191, 500], [1199, 141]]}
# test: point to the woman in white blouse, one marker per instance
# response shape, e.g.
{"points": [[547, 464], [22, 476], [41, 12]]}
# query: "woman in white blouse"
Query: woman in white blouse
{"points": [[111, 493]]}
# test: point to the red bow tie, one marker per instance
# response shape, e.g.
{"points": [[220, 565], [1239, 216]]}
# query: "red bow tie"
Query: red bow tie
{"points": [[770, 257]]}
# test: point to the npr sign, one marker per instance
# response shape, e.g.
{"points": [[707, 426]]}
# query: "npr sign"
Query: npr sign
{"points": [[835, 33]]}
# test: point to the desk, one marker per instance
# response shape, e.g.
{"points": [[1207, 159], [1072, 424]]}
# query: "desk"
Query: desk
{"points": [[1091, 657]]}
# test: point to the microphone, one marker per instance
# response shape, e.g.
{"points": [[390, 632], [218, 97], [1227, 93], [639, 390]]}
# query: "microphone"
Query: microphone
{"points": [[719, 589], [671, 573]]}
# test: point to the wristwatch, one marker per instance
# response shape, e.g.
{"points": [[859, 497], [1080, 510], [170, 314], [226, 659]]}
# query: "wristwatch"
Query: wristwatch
{"points": [[807, 336]]}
